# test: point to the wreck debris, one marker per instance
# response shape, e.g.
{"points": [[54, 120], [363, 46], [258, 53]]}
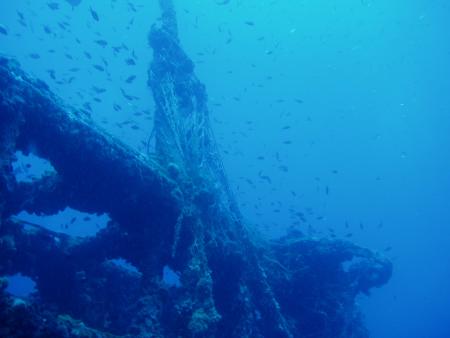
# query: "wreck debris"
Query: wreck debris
{"points": [[175, 210]]}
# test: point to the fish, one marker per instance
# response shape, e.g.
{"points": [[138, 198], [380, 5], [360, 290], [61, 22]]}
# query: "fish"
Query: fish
{"points": [[98, 90], [101, 42], [130, 62], [94, 14], [51, 72], [53, 6], [74, 3], [249, 23], [130, 79], [117, 49], [35, 56], [99, 68], [223, 2], [63, 25], [127, 96], [3, 30], [266, 178], [47, 30], [132, 7]]}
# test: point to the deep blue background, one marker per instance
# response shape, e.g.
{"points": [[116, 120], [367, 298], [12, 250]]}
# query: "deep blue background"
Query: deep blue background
{"points": [[344, 104]]}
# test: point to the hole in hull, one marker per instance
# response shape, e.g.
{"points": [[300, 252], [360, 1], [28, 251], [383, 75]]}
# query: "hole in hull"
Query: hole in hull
{"points": [[69, 221], [29, 168], [20, 286]]}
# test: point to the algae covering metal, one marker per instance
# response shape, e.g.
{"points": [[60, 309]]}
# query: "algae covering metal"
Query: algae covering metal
{"points": [[174, 210]]}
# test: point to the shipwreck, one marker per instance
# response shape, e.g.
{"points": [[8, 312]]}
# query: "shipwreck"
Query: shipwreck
{"points": [[173, 209]]}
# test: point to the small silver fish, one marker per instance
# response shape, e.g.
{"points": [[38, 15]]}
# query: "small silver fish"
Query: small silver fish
{"points": [[3, 30], [74, 3]]}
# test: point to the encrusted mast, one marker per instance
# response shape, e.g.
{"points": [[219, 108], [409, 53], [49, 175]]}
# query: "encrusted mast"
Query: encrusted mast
{"points": [[176, 213], [184, 139]]}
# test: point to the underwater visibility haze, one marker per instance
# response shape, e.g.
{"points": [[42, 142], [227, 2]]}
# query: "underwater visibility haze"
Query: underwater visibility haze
{"points": [[225, 168]]}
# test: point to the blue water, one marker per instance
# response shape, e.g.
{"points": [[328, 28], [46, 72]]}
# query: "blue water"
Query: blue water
{"points": [[339, 109]]}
